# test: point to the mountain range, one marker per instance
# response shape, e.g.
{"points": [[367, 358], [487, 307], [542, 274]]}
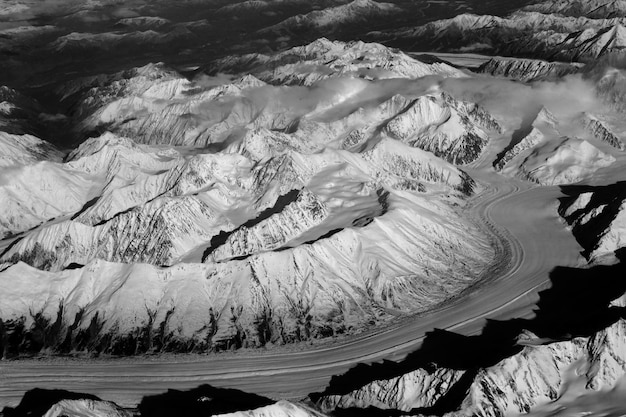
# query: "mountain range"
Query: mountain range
{"points": [[346, 208]]}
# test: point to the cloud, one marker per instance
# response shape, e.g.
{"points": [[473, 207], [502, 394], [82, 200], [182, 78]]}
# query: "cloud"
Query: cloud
{"points": [[564, 98], [206, 81]]}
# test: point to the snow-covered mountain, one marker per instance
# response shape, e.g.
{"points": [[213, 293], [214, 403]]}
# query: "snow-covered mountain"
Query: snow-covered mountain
{"points": [[25, 150], [514, 385], [546, 156], [322, 59], [597, 217], [289, 195], [154, 106], [601, 130], [540, 377], [185, 178], [76, 406], [336, 18], [587, 8], [19, 114], [527, 70], [322, 196], [180, 213], [86, 42], [86, 407], [249, 183], [535, 32], [453, 130]]}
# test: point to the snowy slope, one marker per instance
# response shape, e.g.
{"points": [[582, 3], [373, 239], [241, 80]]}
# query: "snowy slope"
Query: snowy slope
{"points": [[338, 282], [25, 150], [280, 409], [513, 386], [321, 59], [527, 70], [86, 408], [453, 130], [547, 157], [336, 18], [588, 8], [601, 130], [19, 114], [597, 217], [319, 227], [522, 34]]}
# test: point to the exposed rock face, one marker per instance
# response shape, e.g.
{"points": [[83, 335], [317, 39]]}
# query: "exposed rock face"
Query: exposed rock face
{"points": [[597, 216], [527, 70]]}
